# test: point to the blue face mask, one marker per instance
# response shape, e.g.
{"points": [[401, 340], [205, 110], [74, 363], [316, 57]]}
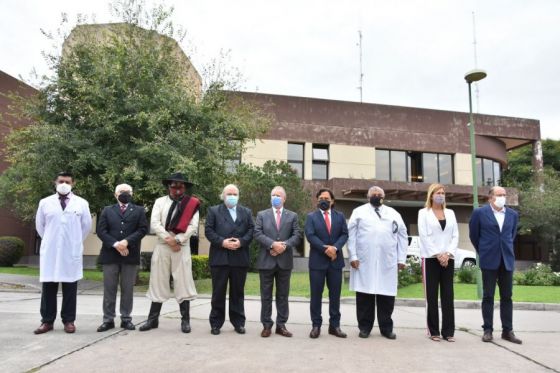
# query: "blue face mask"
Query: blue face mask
{"points": [[231, 201], [276, 201], [439, 199]]}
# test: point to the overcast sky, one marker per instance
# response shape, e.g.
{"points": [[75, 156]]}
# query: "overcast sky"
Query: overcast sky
{"points": [[415, 53]]}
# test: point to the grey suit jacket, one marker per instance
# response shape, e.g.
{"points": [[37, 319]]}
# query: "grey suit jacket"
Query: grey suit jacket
{"points": [[266, 233]]}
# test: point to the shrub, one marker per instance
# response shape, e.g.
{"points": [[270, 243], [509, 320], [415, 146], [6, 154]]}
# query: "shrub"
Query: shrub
{"points": [[412, 274], [11, 250], [200, 267], [145, 261], [467, 275], [538, 274]]}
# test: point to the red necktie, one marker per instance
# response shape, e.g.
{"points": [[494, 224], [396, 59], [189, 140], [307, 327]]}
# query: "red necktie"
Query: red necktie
{"points": [[123, 209], [278, 219], [327, 221]]}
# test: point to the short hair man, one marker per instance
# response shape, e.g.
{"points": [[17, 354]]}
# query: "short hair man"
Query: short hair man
{"points": [[278, 233], [121, 228], [492, 230], [63, 221]]}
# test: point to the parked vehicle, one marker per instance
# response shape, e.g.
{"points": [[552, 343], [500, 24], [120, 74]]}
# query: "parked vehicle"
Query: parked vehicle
{"points": [[464, 258]]}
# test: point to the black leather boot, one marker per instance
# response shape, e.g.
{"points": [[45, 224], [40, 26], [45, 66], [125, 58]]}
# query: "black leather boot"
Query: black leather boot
{"points": [[153, 317], [184, 306]]}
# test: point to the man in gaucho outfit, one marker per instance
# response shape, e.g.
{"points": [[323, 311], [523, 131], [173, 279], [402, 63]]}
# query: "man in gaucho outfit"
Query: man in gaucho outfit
{"points": [[174, 220]]}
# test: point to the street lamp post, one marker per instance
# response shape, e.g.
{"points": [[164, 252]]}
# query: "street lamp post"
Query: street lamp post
{"points": [[470, 77]]}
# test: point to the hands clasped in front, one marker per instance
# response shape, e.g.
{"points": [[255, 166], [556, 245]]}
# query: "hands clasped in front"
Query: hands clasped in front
{"points": [[122, 247], [231, 243], [443, 259], [172, 243], [330, 251], [277, 248]]}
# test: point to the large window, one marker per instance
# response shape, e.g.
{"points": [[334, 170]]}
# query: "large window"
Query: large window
{"points": [[295, 157], [320, 166], [488, 172], [397, 165]]}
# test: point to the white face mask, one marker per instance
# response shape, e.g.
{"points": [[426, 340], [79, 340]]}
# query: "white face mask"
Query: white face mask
{"points": [[500, 202], [63, 188]]}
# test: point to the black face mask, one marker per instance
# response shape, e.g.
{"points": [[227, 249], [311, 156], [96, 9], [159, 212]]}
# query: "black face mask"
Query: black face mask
{"points": [[324, 205], [375, 201], [124, 198]]}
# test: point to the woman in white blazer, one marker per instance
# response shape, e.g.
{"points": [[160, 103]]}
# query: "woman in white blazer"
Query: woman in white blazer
{"points": [[439, 236]]}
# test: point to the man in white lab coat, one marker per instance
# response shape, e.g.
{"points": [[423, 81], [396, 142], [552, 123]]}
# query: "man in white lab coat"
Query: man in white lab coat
{"points": [[63, 221], [377, 243]]}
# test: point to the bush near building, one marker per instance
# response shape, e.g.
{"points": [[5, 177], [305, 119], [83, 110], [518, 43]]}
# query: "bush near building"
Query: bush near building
{"points": [[11, 250]]}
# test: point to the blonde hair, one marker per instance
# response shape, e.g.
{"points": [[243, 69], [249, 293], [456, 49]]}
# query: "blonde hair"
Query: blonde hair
{"points": [[431, 190]]}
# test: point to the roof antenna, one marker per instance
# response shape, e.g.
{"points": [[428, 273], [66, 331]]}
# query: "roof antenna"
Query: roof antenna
{"points": [[360, 87]]}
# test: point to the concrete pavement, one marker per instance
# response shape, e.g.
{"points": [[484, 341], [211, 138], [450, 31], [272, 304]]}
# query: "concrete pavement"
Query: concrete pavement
{"points": [[166, 349]]}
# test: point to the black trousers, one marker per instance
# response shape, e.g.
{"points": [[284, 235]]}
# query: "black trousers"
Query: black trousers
{"points": [[365, 311], [49, 301], [504, 278], [221, 276], [267, 279], [439, 278], [333, 278]]}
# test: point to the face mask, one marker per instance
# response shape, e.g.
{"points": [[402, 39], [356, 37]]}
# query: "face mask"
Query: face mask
{"points": [[375, 201], [231, 201], [324, 205], [276, 201], [63, 188], [439, 199], [124, 197], [500, 202]]}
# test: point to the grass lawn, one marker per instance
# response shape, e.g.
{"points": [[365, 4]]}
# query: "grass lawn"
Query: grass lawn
{"points": [[299, 287]]}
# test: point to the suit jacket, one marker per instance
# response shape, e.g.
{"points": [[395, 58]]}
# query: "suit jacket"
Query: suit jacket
{"points": [[219, 226], [112, 227], [318, 236], [489, 242], [266, 233]]}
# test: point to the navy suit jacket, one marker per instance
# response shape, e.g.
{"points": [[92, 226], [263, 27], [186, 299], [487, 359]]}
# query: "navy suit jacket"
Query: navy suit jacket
{"points": [[318, 236], [113, 227], [219, 226], [491, 244]]}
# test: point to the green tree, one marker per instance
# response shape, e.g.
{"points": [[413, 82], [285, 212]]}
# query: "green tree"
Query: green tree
{"points": [[520, 172], [540, 214], [122, 109]]}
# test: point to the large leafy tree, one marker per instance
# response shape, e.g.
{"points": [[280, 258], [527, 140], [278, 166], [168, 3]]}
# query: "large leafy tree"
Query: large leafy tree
{"points": [[121, 109]]}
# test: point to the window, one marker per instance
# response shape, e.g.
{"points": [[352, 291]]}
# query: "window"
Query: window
{"points": [[320, 166], [413, 166], [295, 157], [232, 162], [488, 172]]}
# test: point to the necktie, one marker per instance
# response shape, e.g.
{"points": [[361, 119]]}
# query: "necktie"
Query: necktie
{"points": [[377, 212], [62, 202], [327, 221], [278, 219], [123, 209]]}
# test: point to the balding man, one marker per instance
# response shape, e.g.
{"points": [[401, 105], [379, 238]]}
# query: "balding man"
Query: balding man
{"points": [[377, 244], [278, 233], [229, 228], [492, 230], [121, 227]]}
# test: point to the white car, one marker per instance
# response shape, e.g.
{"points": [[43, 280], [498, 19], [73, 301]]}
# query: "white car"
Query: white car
{"points": [[464, 258]]}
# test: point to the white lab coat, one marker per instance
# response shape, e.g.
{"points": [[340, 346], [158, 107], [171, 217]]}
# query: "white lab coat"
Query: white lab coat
{"points": [[62, 233], [434, 240], [379, 245]]}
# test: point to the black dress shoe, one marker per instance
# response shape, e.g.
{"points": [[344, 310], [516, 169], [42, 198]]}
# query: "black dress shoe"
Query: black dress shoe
{"points": [[106, 326], [315, 332], [240, 329], [510, 336], [215, 331], [127, 325], [283, 331], [487, 337], [336, 332], [363, 334], [389, 335]]}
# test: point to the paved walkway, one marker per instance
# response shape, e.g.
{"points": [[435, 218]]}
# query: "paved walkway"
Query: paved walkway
{"points": [[166, 349]]}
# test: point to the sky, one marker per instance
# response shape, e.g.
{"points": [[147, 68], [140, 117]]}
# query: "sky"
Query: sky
{"points": [[414, 53]]}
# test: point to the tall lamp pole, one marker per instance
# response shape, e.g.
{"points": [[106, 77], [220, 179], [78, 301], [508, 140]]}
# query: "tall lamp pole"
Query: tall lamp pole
{"points": [[470, 77]]}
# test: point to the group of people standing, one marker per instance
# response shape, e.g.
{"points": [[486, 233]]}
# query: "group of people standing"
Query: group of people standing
{"points": [[376, 237]]}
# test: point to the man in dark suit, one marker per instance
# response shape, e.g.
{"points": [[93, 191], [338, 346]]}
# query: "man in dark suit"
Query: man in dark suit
{"points": [[121, 227], [327, 233], [229, 228], [278, 233], [492, 230]]}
